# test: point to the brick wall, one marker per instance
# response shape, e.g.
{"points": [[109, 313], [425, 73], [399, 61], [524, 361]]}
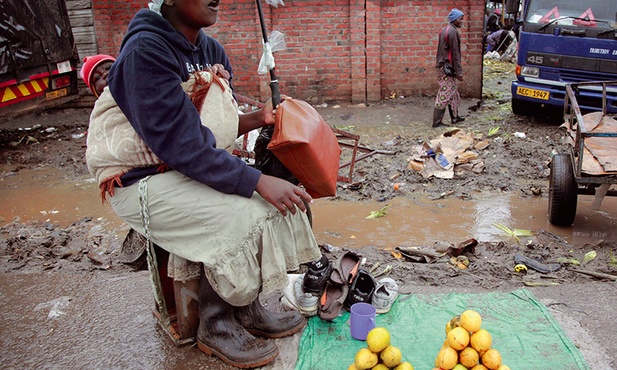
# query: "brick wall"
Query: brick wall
{"points": [[337, 50]]}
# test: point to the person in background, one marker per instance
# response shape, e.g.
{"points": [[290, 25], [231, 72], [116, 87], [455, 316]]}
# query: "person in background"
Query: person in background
{"points": [[498, 41], [95, 70], [449, 50], [167, 176], [493, 24]]}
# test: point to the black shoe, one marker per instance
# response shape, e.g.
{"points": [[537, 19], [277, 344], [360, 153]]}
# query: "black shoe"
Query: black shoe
{"points": [[439, 124], [457, 120], [317, 275], [361, 290]]}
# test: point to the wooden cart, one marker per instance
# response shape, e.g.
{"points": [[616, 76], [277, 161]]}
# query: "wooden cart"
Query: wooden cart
{"points": [[590, 166]]}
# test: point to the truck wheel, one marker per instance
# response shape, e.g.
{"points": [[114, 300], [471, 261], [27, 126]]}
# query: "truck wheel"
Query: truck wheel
{"points": [[562, 192], [522, 108]]}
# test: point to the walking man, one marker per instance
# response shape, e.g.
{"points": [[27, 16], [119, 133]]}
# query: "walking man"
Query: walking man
{"points": [[449, 70]]}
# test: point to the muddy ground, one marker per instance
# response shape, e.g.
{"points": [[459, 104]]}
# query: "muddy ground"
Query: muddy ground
{"points": [[395, 126]]}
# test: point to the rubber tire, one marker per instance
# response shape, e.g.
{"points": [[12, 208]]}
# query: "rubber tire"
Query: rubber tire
{"points": [[523, 108], [562, 192]]}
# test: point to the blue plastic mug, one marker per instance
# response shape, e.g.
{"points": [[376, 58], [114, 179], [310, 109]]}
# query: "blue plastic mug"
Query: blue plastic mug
{"points": [[362, 320]]}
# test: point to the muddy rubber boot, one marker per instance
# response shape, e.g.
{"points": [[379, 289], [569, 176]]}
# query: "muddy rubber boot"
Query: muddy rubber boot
{"points": [[262, 322], [438, 117], [453, 118], [221, 334]]}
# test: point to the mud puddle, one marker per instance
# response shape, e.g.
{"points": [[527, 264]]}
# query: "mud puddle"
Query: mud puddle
{"points": [[42, 195]]}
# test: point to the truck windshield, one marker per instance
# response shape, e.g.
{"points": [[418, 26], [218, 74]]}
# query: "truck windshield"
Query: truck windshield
{"points": [[575, 13]]}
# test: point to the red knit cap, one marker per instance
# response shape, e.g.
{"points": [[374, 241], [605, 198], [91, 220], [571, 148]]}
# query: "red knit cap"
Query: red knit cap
{"points": [[90, 64]]}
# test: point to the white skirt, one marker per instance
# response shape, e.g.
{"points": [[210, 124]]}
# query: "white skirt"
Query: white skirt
{"points": [[245, 244]]}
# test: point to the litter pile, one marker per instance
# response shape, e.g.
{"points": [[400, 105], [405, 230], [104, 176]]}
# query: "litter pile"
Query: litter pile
{"points": [[453, 151]]}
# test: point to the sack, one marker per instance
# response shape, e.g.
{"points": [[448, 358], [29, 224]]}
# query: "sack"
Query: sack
{"points": [[448, 69], [266, 161], [307, 146], [218, 110]]}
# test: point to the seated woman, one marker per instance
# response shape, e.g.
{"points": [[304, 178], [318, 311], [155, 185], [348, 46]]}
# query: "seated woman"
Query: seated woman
{"points": [[161, 163]]}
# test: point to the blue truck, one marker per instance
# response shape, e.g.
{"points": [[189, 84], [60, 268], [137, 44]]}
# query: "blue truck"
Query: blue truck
{"points": [[563, 42]]}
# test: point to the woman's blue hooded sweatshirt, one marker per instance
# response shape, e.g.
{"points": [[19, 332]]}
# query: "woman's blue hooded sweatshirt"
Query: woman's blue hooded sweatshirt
{"points": [[145, 82]]}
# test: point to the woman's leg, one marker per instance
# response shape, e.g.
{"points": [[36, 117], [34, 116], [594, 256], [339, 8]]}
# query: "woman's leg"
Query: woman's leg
{"points": [[221, 334]]}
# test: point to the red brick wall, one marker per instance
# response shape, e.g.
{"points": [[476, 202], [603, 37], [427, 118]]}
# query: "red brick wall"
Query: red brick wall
{"points": [[337, 50]]}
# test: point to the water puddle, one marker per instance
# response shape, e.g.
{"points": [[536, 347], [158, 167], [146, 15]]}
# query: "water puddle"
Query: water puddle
{"points": [[42, 194]]}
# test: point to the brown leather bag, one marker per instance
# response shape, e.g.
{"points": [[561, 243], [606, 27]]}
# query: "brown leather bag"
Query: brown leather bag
{"points": [[307, 146]]}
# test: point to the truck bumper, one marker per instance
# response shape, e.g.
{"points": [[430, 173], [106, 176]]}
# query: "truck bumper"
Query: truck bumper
{"points": [[552, 93]]}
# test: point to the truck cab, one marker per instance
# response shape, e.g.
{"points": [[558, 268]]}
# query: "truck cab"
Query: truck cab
{"points": [[563, 42]]}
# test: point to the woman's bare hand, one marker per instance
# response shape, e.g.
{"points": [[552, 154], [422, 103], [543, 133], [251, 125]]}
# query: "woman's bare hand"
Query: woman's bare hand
{"points": [[269, 111], [282, 194], [220, 71]]}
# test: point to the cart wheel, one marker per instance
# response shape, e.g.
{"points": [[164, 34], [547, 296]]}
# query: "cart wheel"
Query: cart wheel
{"points": [[562, 193]]}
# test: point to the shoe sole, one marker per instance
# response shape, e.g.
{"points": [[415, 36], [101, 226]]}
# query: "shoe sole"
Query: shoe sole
{"points": [[242, 365], [283, 334], [307, 311], [382, 310]]}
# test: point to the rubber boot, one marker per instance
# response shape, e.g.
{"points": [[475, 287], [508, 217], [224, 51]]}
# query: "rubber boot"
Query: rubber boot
{"points": [[259, 321], [221, 334], [453, 118], [438, 117]]}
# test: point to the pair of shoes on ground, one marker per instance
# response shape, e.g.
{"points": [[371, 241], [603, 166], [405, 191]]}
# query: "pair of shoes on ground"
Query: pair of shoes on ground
{"points": [[326, 288]]}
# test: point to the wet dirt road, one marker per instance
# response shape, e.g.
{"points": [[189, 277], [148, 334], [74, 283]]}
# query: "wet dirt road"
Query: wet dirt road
{"points": [[105, 322]]}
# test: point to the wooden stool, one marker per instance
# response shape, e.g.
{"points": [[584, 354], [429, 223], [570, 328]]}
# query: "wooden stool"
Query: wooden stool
{"points": [[182, 303]]}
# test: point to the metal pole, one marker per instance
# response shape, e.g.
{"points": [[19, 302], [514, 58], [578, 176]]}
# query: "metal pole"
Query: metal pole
{"points": [[274, 83]]}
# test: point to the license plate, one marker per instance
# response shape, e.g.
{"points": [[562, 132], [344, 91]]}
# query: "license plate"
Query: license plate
{"points": [[532, 93], [56, 94]]}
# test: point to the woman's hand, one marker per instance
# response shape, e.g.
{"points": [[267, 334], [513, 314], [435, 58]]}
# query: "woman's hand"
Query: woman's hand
{"points": [[220, 71], [282, 194], [269, 112]]}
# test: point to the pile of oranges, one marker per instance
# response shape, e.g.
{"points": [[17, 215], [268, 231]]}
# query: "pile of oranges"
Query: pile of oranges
{"points": [[379, 354], [468, 346]]}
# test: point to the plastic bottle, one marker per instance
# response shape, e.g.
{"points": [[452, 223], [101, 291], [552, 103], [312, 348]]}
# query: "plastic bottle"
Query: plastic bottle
{"points": [[442, 161]]}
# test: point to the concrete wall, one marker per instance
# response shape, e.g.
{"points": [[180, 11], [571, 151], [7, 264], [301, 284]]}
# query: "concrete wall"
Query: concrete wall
{"points": [[337, 51]]}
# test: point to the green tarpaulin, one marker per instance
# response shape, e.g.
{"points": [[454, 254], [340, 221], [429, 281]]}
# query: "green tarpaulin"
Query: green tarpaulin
{"points": [[523, 331]]}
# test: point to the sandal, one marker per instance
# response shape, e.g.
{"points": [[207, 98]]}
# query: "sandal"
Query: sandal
{"points": [[331, 301], [346, 268], [361, 290]]}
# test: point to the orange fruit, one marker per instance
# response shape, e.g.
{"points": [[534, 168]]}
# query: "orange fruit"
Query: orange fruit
{"points": [[365, 359], [481, 341], [458, 338], [491, 359], [471, 320], [377, 339], [391, 356], [447, 358], [469, 357]]}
